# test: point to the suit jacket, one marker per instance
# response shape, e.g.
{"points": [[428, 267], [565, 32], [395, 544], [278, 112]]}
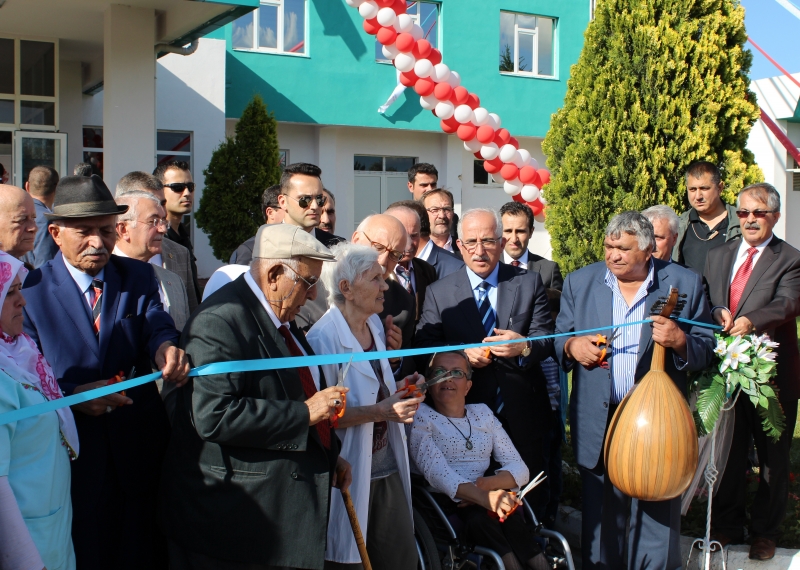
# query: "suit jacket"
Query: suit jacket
{"points": [[549, 270], [177, 303], [771, 300], [402, 306], [587, 302], [177, 259], [244, 470], [123, 449], [44, 248], [443, 261], [424, 275]]}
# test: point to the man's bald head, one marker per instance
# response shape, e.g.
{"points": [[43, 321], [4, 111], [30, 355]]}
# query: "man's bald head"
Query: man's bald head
{"points": [[17, 221], [386, 235]]}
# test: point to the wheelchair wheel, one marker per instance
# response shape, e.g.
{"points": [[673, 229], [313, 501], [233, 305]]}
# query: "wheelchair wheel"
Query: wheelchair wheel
{"points": [[430, 558]]}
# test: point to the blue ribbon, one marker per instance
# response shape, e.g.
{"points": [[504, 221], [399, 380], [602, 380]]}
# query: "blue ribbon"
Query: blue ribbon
{"points": [[287, 362]]}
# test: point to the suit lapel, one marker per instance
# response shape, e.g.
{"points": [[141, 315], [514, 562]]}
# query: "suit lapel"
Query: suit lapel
{"points": [[74, 304], [604, 300], [765, 260], [727, 270], [507, 288], [112, 285]]}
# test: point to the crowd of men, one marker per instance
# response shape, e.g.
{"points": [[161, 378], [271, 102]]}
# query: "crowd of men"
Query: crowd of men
{"points": [[115, 283]]}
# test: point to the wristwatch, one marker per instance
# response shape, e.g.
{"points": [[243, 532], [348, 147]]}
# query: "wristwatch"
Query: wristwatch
{"points": [[527, 350]]}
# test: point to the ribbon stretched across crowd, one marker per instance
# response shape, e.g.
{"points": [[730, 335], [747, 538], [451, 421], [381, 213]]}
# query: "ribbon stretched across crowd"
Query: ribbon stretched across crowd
{"points": [[287, 362]]}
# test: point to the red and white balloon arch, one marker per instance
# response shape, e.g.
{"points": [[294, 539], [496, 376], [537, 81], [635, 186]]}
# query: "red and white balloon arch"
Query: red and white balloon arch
{"points": [[459, 111]]}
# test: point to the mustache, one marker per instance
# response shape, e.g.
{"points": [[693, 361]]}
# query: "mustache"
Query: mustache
{"points": [[94, 251], [484, 258], [752, 225]]}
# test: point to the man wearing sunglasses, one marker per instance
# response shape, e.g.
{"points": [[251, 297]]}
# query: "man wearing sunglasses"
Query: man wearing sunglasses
{"points": [[303, 200], [754, 286]]}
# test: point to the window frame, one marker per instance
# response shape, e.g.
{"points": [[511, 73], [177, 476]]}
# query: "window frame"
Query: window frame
{"points": [[85, 149], [534, 73], [18, 97], [178, 154], [279, 49]]}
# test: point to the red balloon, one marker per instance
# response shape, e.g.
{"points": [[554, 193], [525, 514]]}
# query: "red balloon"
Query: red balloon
{"points": [[408, 78], [421, 50], [518, 198], [527, 174], [461, 95], [537, 180], [399, 7], [424, 86], [501, 137], [536, 207], [466, 132], [435, 56], [387, 36], [509, 171], [485, 134], [513, 141], [478, 155], [544, 174], [492, 166], [443, 91], [372, 26], [449, 125], [473, 101], [384, 3], [405, 42]]}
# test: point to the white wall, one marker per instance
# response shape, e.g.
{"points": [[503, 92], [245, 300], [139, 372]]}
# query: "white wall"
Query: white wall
{"points": [[71, 112]]}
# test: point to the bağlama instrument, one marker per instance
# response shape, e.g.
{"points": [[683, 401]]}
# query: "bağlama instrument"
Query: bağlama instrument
{"points": [[651, 446]]}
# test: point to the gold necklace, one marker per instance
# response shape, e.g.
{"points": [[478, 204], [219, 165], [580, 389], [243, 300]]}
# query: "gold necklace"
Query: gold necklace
{"points": [[711, 236]]}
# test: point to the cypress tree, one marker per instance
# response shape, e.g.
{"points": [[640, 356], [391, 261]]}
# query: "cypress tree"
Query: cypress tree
{"points": [[659, 84], [240, 169]]}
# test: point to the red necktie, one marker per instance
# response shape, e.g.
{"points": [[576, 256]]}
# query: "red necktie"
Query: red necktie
{"points": [[516, 263], [308, 383], [740, 280], [97, 287]]}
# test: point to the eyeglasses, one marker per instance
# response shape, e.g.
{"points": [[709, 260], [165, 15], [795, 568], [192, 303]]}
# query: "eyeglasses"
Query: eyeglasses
{"points": [[157, 223], [305, 201], [179, 187], [435, 211], [472, 244], [380, 248], [756, 213], [309, 285], [456, 373]]}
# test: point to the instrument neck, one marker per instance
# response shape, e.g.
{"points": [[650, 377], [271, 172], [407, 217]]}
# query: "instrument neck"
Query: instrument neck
{"points": [[659, 354]]}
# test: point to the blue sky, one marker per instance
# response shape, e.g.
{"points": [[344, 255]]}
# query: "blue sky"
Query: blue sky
{"points": [[777, 31]]}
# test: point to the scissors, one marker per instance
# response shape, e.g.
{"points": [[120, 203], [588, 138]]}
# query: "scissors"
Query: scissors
{"points": [[530, 486], [118, 378], [417, 390], [604, 343], [341, 405]]}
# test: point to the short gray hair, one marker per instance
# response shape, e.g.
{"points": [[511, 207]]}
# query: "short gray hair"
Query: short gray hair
{"points": [[763, 192], [498, 223], [352, 261], [138, 181], [662, 212], [635, 224], [131, 199]]}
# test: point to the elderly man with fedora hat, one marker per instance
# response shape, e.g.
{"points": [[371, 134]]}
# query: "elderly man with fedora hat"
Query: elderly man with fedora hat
{"points": [[253, 456], [95, 316]]}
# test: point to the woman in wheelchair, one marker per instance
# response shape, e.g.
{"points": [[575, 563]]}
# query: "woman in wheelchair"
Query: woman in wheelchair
{"points": [[452, 444]]}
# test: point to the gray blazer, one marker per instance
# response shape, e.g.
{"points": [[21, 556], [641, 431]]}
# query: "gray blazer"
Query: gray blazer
{"points": [[587, 302], [444, 262], [176, 302], [177, 259]]}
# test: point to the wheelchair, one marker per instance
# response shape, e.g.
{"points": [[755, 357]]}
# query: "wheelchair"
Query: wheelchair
{"points": [[440, 548]]}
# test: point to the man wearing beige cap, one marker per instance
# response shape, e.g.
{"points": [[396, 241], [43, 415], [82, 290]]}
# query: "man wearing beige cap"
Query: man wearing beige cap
{"points": [[252, 455]]}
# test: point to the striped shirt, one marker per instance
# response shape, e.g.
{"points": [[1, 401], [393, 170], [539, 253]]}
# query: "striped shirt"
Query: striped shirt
{"points": [[624, 352]]}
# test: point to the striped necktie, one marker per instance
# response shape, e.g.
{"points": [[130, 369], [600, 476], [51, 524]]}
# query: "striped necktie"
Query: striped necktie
{"points": [[488, 319], [405, 276], [97, 304], [740, 280]]}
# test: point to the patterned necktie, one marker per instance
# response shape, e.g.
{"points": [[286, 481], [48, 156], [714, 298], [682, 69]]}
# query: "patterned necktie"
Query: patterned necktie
{"points": [[488, 318], [308, 383], [740, 280], [516, 263], [97, 303], [405, 276]]}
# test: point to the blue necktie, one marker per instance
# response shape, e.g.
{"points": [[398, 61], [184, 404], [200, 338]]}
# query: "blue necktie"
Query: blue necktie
{"points": [[488, 318]]}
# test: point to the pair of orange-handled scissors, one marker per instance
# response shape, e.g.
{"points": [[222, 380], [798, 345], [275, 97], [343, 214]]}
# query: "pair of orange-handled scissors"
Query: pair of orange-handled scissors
{"points": [[119, 377], [539, 478], [604, 344], [341, 405], [417, 390]]}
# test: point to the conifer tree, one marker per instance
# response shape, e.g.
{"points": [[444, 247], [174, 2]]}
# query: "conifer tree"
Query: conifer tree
{"points": [[659, 84], [240, 169]]}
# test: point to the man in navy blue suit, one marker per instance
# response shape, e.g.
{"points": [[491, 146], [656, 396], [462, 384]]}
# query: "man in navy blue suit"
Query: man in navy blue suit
{"points": [[95, 315]]}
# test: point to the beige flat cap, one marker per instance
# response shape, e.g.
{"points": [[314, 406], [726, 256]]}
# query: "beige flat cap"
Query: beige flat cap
{"points": [[284, 241]]}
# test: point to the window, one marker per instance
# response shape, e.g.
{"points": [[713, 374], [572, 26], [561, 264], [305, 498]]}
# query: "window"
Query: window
{"points": [[28, 83], [795, 170], [383, 163], [276, 26], [174, 145], [283, 158], [93, 148], [527, 44], [424, 14]]}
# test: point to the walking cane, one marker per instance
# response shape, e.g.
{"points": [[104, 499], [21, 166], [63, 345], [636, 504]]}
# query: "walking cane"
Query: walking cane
{"points": [[351, 514]]}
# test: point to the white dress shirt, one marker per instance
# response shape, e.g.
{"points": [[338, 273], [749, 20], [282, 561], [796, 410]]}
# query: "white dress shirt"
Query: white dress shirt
{"points": [[268, 308], [425, 252], [448, 245], [84, 282], [741, 255], [523, 259]]}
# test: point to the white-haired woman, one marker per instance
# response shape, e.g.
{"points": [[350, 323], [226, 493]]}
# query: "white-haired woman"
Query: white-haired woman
{"points": [[371, 430]]}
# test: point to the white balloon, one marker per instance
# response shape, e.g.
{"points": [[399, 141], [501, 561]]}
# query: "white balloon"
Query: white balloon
{"points": [[507, 153], [417, 32], [403, 23], [539, 217], [428, 102], [526, 156], [404, 62], [423, 68], [473, 146], [496, 122], [454, 80], [355, 3], [386, 17], [496, 178], [541, 197], [368, 10], [480, 116], [440, 73], [463, 114], [530, 192], [444, 110], [517, 160], [512, 187], [534, 163], [390, 52], [489, 151]]}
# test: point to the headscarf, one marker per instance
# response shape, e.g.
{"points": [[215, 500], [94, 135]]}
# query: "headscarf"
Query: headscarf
{"points": [[21, 360]]}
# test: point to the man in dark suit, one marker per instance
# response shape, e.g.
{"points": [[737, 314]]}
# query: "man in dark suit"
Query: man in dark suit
{"points": [[489, 301], [517, 229], [622, 290], [754, 286], [442, 260], [253, 455], [95, 315]]}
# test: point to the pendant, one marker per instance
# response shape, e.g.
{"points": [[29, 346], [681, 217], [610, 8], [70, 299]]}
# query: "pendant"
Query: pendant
{"points": [[469, 445]]}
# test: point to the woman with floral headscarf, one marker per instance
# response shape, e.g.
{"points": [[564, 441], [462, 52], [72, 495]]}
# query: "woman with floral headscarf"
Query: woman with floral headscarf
{"points": [[35, 453]]}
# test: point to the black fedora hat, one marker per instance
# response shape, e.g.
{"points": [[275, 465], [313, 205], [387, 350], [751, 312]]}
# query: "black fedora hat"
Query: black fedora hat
{"points": [[83, 197]]}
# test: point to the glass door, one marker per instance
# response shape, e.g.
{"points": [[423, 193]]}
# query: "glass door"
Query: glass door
{"points": [[38, 148], [7, 157]]}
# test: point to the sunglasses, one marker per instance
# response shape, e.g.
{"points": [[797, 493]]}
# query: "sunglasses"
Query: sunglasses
{"points": [[305, 201], [756, 213], [179, 187]]}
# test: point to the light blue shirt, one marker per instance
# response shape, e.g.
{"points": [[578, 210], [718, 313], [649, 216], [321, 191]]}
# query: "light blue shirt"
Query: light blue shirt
{"points": [[84, 283], [475, 280]]}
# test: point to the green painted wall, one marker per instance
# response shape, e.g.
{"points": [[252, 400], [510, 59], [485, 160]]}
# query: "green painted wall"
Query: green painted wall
{"points": [[339, 83]]}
